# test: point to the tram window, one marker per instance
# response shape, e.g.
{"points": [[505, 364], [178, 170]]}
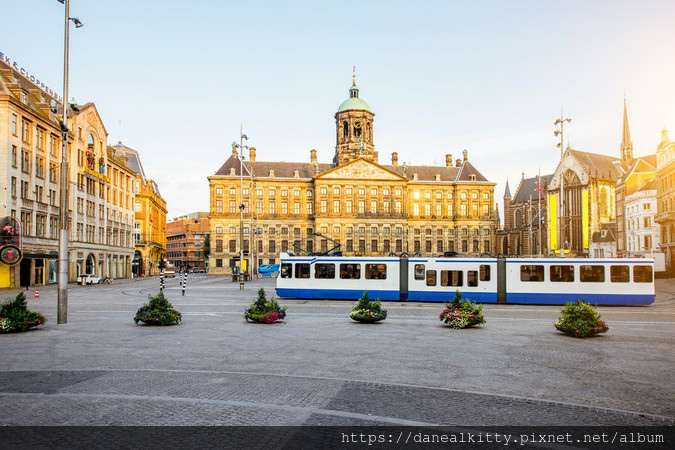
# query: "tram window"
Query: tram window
{"points": [[642, 274], [472, 278], [561, 273], [531, 273], [286, 270], [431, 278], [484, 272], [452, 278], [592, 274], [419, 271], [619, 274], [376, 271], [302, 270], [323, 270], [350, 271]]}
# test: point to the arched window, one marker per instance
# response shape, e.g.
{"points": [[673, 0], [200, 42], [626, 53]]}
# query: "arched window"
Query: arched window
{"points": [[603, 202], [517, 219], [345, 130], [357, 130], [91, 152]]}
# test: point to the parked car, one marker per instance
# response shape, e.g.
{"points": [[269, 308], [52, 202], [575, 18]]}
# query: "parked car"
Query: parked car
{"points": [[88, 279], [268, 270]]}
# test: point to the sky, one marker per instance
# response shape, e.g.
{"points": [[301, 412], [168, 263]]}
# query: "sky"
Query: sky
{"points": [[177, 80]]}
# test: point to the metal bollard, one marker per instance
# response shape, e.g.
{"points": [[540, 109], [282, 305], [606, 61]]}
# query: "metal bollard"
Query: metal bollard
{"points": [[241, 285], [161, 281], [184, 282]]}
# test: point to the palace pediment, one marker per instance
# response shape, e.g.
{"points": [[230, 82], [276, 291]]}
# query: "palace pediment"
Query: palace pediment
{"points": [[361, 169]]}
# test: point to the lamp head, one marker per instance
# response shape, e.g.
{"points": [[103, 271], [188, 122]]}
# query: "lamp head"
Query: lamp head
{"points": [[77, 22], [556, 132], [243, 136], [568, 120], [557, 121]]}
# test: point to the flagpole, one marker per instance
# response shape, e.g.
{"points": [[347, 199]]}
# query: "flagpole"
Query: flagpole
{"points": [[539, 212]]}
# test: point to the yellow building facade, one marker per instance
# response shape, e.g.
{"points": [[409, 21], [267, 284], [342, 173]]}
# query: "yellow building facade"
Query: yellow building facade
{"points": [[149, 217], [354, 204], [100, 207]]}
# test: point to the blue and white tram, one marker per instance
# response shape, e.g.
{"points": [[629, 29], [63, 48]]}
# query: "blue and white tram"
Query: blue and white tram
{"points": [[597, 281], [328, 277], [484, 280]]}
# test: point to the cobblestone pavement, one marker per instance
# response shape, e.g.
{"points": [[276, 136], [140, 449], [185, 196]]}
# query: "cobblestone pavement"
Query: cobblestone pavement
{"points": [[320, 368]]}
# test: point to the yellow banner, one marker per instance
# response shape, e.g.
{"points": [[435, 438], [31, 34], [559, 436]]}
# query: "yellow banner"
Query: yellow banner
{"points": [[553, 222], [584, 216]]}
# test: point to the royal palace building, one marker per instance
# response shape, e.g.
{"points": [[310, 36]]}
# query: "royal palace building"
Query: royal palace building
{"points": [[354, 204]]}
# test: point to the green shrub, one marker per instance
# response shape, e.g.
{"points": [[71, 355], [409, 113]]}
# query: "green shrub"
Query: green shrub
{"points": [[158, 311], [579, 319], [368, 308], [263, 310], [460, 313], [15, 315]]}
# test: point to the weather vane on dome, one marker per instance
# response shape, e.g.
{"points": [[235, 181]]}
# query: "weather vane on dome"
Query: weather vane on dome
{"points": [[354, 77]]}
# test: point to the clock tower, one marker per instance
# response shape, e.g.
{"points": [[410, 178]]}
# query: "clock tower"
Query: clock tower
{"points": [[354, 129]]}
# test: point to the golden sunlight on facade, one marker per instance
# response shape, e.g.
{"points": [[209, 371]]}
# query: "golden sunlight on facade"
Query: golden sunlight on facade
{"points": [[355, 204]]}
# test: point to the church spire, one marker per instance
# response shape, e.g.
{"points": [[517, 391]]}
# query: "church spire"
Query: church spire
{"points": [[507, 191], [626, 143]]}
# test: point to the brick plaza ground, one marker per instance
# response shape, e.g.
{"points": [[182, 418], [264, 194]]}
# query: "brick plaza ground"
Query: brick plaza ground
{"points": [[321, 368]]}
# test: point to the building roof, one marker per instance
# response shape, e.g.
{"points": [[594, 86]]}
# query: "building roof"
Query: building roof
{"points": [[607, 233], [650, 186], [354, 102], [283, 169], [133, 159], [602, 166], [641, 164], [531, 187]]}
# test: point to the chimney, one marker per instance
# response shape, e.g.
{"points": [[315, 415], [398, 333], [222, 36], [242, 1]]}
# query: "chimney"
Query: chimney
{"points": [[448, 160], [458, 163], [251, 154], [312, 156], [234, 149], [394, 159]]}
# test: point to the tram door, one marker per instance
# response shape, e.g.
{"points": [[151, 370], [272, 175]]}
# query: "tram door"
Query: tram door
{"points": [[501, 280], [403, 278]]}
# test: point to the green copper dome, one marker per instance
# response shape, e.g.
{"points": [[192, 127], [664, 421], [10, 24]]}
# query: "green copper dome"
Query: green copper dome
{"points": [[354, 102]]}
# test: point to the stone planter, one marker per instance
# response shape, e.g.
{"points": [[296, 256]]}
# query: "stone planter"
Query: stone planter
{"points": [[368, 319]]}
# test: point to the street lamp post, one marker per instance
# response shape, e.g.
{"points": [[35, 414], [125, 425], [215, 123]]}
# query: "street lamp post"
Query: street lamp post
{"points": [[241, 148], [561, 238], [62, 306]]}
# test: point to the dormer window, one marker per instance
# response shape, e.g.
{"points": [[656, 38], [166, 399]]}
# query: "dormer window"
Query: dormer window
{"points": [[24, 98]]}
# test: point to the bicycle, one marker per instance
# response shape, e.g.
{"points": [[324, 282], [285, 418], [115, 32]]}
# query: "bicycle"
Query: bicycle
{"points": [[107, 280]]}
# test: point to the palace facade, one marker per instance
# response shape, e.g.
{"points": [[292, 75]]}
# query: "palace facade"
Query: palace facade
{"points": [[354, 204]]}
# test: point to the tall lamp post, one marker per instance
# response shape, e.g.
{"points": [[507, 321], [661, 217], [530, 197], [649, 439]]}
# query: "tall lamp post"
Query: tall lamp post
{"points": [[241, 148], [62, 307], [561, 239]]}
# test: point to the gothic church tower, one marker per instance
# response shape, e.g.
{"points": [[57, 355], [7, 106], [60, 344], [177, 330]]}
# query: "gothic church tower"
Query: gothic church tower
{"points": [[626, 143]]}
